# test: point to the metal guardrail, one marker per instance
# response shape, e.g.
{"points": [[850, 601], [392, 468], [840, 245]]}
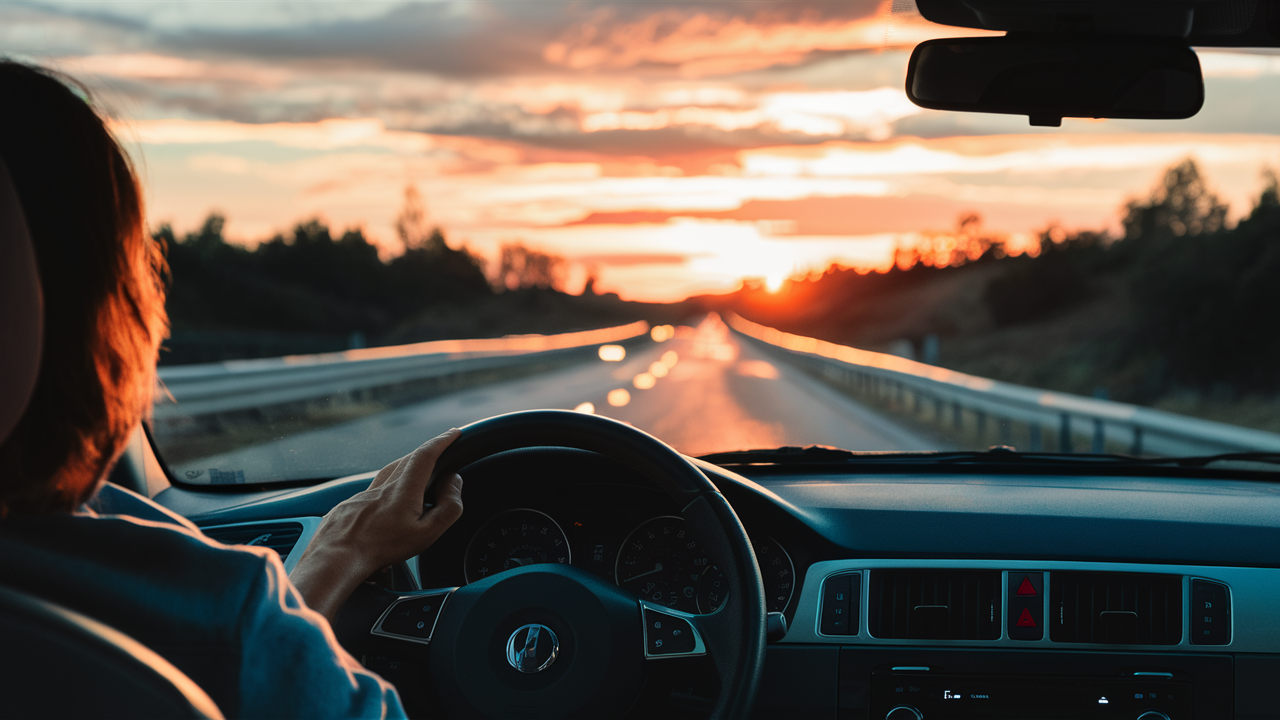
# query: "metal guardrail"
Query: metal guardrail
{"points": [[193, 390], [949, 393]]}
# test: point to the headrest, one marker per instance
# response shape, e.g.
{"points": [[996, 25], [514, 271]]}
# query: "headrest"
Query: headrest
{"points": [[21, 309]]}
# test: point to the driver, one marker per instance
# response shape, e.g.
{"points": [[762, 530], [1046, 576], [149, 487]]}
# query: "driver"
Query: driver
{"points": [[257, 641]]}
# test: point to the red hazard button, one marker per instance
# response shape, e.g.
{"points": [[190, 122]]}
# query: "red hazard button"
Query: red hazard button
{"points": [[1026, 589], [1025, 619]]}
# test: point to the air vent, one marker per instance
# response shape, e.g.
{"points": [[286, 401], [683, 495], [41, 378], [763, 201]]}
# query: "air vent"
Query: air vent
{"points": [[280, 537], [1115, 608], [935, 604]]}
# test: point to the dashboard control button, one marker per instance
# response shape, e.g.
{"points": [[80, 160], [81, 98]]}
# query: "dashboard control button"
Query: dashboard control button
{"points": [[904, 712], [1153, 715], [839, 611], [1210, 613], [1026, 589], [1026, 605]]}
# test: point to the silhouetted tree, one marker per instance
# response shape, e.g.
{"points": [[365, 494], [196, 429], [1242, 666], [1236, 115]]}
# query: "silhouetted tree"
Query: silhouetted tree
{"points": [[521, 268], [1033, 289], [1180, 205], [967, 243], [411, 224], [1207, 306]]}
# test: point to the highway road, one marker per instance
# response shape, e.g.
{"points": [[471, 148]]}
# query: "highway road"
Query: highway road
{"points": [[703, 391]]}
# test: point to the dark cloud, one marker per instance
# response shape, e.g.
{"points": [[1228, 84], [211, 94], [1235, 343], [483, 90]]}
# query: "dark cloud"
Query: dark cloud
{"points": [[433, 38], [670, 143], [44, 30], [481, 39]]}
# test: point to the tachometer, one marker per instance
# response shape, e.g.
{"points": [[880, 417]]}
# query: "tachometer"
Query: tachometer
{"points": [[513, 539], [775, 569], [661, 562]]}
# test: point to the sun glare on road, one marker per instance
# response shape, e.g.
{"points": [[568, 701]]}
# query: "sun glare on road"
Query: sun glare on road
{"points": [[711, 340], [757, 369]]}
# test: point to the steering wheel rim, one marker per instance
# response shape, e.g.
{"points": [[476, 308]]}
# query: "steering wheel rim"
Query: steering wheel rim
{"points": [[735, 634]]}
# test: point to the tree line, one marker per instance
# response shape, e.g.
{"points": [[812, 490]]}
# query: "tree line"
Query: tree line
{"points": [[1201, 297], [1204, 295], [312, 289]]}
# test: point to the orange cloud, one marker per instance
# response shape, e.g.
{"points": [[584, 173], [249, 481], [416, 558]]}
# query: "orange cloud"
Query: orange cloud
{"points": [[863, 215], [170, 68], [1021, 154], [829, 113], [701, 42]]}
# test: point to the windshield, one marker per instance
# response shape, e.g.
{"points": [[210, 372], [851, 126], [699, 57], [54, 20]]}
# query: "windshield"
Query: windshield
{"points": [[721, 222]]}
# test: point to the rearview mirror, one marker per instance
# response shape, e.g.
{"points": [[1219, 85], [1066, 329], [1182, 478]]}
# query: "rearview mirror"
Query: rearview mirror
{"points": [[1048, 78]]}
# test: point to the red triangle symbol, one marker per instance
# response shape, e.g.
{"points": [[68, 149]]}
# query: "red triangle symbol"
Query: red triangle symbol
{"points": [[1025, 620], [1026, 589]]}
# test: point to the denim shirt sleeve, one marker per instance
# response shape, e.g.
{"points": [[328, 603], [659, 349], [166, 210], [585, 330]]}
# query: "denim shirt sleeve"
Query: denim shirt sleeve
{"points": [[293, 666]]}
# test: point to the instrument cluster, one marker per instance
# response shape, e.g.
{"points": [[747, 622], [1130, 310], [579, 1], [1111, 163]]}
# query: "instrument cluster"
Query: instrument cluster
{"points": [[658, 560]]}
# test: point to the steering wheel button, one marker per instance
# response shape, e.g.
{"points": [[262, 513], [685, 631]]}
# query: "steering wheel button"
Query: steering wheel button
{"points": [[668, 634], [413, 617]]}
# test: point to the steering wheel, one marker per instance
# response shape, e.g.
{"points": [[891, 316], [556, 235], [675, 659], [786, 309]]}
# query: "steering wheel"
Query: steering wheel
{"points": [[551, 640]]}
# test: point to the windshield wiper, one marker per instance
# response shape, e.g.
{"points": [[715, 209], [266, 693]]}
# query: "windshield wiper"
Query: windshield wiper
{"points": [[1199, 461], [999, 455], [793, 455]]}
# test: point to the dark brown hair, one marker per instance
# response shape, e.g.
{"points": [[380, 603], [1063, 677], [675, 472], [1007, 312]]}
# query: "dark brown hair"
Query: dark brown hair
{"points": [[102, 275]]}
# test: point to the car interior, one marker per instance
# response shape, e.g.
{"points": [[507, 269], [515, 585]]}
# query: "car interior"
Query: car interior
{"points": [[777, 584]]}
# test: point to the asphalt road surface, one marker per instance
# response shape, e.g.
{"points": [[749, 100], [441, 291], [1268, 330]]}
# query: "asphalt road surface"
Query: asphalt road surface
{"points": [[703, 391]]}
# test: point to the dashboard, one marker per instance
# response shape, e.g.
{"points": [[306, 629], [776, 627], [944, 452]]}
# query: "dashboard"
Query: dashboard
{"points": [[966, 552]]}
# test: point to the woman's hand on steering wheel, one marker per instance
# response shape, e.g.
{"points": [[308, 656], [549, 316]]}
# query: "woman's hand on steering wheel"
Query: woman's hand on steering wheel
{"points": [[384, 524]]}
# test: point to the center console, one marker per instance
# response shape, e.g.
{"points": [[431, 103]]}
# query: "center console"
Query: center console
{"points": [[905, 684]]}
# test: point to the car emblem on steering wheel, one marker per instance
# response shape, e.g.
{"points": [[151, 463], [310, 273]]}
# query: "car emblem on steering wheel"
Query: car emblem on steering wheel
{"points": [[532, 648]]}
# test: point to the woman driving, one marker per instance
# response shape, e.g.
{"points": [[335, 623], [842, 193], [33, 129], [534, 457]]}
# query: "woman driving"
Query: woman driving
{"points": [[257, 641]]}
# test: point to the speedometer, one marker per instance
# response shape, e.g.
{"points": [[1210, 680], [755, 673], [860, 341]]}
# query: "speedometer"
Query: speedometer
{"points": [[513, 539], [661, 562], [776, 570]]}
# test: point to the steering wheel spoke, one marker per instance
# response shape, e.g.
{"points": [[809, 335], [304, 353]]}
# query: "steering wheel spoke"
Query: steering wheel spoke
{"points": [[670, 633], [412, 617]]}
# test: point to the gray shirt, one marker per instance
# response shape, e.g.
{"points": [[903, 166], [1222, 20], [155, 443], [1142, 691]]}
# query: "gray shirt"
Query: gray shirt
{"points": [[228, 617]]}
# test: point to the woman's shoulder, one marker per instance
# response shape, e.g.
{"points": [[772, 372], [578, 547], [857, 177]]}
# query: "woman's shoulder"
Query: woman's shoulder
{"points": [[133, 556]]}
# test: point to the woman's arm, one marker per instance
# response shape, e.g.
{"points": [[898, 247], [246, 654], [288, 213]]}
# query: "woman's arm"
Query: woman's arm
{"points": [[385, 524]]}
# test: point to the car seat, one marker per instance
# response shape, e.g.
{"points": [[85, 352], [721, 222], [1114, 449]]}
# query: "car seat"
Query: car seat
{"points": [[54, 662]]}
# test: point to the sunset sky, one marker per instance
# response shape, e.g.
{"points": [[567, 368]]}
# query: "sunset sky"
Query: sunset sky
{"points": [[670, 148]]}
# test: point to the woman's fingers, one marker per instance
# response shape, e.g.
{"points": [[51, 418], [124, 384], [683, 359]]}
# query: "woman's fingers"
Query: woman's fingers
{"points": [[447, 510], [385, 473], [414, 474]]}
